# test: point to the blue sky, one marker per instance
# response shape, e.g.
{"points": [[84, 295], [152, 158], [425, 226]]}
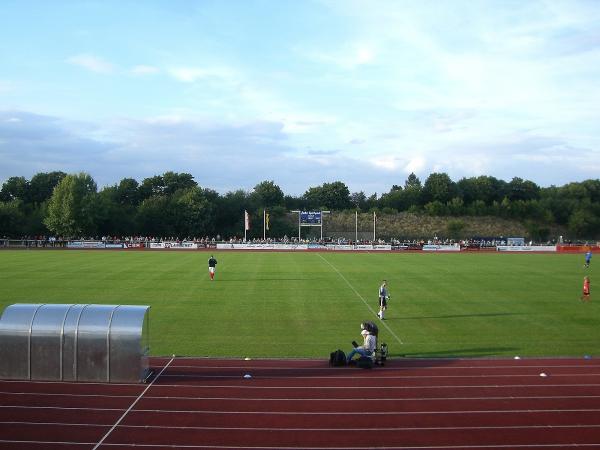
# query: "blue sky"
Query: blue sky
{"points": [[301, 92]]}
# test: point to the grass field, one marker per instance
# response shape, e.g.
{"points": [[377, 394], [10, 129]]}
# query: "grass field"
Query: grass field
{"points": [[309, 304]]}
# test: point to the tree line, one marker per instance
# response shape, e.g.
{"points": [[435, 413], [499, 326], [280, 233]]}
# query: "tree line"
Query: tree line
{"points": [[174, 205]]}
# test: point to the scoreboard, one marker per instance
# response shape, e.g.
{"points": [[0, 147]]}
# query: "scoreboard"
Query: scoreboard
{"points": [[310, 218]]}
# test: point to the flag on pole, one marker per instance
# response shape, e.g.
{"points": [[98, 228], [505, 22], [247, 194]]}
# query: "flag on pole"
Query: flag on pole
{"points": [[246, 221], [265, 223]]}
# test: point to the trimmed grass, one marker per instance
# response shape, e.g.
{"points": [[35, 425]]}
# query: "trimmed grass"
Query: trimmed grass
{"points": [[309, 304]]}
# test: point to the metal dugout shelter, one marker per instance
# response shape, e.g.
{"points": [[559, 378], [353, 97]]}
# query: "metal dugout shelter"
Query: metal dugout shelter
{"points": [[75, 342]]}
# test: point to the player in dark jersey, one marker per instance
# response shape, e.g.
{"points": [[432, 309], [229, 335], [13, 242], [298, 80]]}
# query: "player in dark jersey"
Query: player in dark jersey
{"points": [[212, 264]]}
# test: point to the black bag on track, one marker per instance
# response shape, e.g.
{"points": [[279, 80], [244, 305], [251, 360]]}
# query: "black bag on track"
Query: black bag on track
{"points": [[337, 358]]}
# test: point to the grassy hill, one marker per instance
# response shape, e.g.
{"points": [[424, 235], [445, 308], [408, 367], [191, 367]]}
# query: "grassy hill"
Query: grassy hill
{"points": [[407, 225]]}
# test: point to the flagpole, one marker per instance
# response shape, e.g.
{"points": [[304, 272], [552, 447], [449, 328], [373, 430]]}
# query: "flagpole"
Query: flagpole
{"points": [[245, 224], [264, 224], [355, 227], [374, 220]]}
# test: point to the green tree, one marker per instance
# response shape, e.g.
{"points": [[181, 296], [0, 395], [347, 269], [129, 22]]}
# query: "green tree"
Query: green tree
{"points": [[15, 188], [335, 196], [413, 192], [292, 202], [174, 181], [42, 185], [412, 182], [399, 199], [483, 188], [230, 213], [72, 207], [436, 208], [359, 200], [193, 213], [128, 192], [584, 223], [154, 217], [519, 189], [151, 186], [11, 219], [439, 187], [267, 194]]}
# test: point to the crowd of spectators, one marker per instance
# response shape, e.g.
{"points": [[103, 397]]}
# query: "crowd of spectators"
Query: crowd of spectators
{"points": [[472, 243]]}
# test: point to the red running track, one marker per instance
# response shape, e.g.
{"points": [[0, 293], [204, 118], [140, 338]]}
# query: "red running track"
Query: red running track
{"points": [[304, 404]]}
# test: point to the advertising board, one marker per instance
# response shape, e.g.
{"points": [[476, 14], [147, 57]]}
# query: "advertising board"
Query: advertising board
{"points": [[526, 248], [174, 245], [441, 248]]}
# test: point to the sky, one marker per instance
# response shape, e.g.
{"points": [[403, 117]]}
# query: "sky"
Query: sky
{"points": [[301, 92]]}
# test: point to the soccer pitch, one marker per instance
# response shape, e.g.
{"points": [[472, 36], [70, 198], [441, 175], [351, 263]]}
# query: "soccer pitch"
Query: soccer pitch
{"points": [[308, 304]]}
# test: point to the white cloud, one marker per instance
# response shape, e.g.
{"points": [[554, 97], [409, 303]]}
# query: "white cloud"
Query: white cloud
{"points": [[144, 70], [193, 74], [346, 57], [386, 162], [415, 165], [92, 63]]}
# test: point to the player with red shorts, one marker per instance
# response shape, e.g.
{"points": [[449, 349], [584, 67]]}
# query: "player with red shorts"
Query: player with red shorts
{"points": [[586, 289]]}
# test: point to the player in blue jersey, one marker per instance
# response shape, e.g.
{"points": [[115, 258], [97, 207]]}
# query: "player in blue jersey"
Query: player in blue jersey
{"points": [[588, 258]]}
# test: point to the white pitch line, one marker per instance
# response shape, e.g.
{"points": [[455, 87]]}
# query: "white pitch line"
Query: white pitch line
{"points": [[132, 405], [362, 298]]}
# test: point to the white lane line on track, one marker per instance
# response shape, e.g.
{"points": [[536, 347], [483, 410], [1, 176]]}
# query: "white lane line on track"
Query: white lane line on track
{"points": [[262, 447], [436, 386], [362, 298], [69, 383], [314, 400], [69, 443], [50, 394], [390, 368], [403, 399], [362, 413], [405, 377], [345, 413], [132, 405], [308, 429]]}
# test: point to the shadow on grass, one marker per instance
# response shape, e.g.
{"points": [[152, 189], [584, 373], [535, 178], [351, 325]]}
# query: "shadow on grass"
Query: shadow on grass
{"points": [[477, 352], [246, 280], [455, 316]]}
